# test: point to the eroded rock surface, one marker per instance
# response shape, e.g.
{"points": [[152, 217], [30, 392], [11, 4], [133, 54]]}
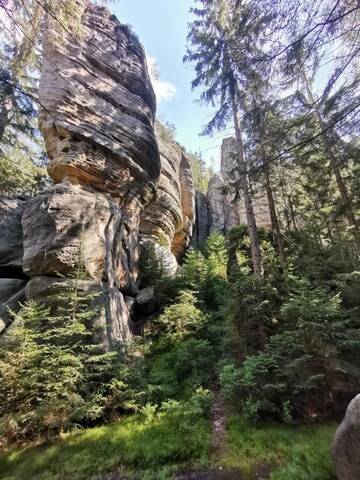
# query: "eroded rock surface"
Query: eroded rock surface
{"points": [[201, 226], [97, 120], [11, 234], [224, 207], [168, 220], [99, 108], [346, 445]]}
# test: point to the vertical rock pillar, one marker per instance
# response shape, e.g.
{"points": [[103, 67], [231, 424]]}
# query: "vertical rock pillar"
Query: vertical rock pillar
{"points": [[97, 118]]}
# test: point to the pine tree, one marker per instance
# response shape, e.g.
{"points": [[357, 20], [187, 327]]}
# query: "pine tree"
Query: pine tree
{"points": [[223, 67]]}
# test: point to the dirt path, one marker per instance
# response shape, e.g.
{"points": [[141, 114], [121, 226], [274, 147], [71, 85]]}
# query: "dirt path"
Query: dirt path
{"points": [[218, 422]]}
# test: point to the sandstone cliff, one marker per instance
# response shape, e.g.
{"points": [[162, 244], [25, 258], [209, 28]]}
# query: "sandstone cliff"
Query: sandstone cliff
{"points": [[97, 117], [112, 173], [168, 221]]}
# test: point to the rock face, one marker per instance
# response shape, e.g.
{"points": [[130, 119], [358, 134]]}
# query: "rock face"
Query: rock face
{"points": [[99, 108], [229, 171], [346, 445], [12, 291], [11, 238], [183, 236], [97, 121], [223, 208], [110, 179], [168, 221], [12, 279], [201, 227]]}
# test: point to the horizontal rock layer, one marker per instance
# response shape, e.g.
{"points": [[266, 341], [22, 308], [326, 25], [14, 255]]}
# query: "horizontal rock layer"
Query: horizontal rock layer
{"points": [[168, 220], [99, 108]]}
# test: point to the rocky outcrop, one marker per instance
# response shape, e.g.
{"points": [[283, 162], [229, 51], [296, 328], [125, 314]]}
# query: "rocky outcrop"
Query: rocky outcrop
{"points": [[97, 116], [346, 444], [236, 212], [168, 221], [11, 238], [99, 108], [12, 279], [183, 236], [201, 226], [224, 207]]}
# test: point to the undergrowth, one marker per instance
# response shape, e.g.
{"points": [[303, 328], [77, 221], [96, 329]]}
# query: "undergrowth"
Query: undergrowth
{"points": [[293, 452]]}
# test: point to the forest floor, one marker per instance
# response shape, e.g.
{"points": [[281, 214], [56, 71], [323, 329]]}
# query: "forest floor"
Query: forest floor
{"points": [[162, 450]]}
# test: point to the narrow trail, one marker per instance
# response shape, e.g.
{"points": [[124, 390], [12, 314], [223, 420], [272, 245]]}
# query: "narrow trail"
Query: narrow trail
{"points": [[218, 422]]}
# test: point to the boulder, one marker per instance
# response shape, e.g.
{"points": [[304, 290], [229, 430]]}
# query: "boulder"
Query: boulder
{"points": [[9, 286], [68, 226], [145, 302], [346, 444]]}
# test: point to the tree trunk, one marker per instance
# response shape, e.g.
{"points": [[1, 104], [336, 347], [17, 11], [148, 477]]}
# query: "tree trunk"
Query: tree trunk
{"points": [[329, 151], [245, 186], [274, 217]]}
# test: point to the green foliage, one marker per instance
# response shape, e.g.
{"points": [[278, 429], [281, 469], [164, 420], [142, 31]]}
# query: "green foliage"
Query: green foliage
{"points": [[308, 369], [296, 453], [54, 371], [139, 447], [150, 268], [19, 175]]}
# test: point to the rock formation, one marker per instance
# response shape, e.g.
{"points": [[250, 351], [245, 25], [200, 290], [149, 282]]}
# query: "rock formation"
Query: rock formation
{"points": [[12, 279], [221, 209], [237, 210], [201, 226], [346, 445], [168, 221], [97, 117]]}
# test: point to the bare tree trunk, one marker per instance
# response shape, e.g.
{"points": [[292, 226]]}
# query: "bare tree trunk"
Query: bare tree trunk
{"points": [[329, 151], [292, 212], [245, 186], [273, 216]]}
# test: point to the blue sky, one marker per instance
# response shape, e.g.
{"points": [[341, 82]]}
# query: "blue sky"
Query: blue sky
{"points": [[162, 28]]}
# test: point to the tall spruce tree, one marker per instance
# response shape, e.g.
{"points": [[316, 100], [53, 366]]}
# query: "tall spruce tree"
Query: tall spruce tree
{"points": [[222, 41]]}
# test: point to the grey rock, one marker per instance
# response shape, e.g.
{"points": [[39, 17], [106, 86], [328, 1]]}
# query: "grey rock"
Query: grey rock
{"points": [[99, 107], [11, 236], [182, 238], [69, 224], [9, 286], [235, 210], [145, 303], [346, 444], [168, 220], [201, 226], [216, 198]]}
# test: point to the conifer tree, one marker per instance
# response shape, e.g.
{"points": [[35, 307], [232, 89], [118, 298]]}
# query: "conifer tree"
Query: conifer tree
{"points": [[222, 58]]}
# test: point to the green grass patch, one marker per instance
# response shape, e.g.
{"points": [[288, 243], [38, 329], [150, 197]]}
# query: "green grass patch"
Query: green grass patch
{"points": [[295, 452], [158, 447]]}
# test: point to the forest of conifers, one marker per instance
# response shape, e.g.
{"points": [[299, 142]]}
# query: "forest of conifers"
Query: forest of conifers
{"points": [[250, 354]]}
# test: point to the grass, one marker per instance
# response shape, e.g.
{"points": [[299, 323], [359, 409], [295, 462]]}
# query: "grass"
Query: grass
{"points": [[295, 452], [158, 448], [152, 449]]}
